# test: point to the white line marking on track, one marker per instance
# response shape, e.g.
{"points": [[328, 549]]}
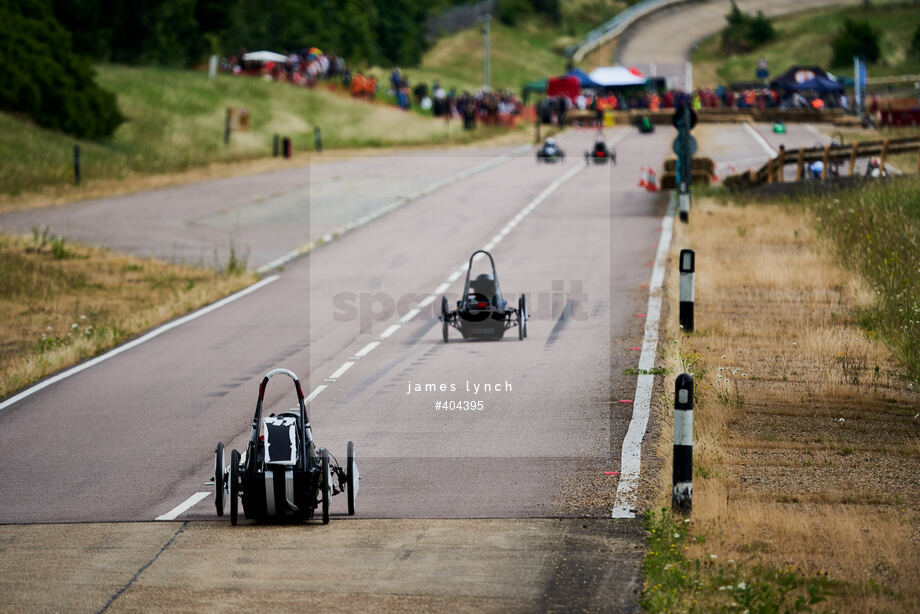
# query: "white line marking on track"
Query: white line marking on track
{"points": [[409, 315], [136, 342], [367, 349], [392, 329], [341, 370], [184, 506], [399, 202], [631, 452], [315, 393], [760, 140], [455, 275]]}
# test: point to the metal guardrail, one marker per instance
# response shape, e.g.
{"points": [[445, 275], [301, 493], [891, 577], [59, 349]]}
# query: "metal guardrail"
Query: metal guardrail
{"points": [[616, 26]]}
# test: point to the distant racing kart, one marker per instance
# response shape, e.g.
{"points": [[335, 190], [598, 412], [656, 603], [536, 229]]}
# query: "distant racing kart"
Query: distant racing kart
{"points": [[281, 474], [482, 312], [644, 124], [600, 154], [550, 152]]}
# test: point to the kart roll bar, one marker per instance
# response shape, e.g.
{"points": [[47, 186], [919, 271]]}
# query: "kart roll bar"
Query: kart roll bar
{"points": [[466, 286], [307, 435]]}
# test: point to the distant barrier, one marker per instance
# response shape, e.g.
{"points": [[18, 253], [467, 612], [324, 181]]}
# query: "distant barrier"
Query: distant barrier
{"points": [[772, 171]]}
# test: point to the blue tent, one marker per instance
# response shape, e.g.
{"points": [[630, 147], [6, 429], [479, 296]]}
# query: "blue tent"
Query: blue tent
{"points": [[806, 79], [583, 79]]}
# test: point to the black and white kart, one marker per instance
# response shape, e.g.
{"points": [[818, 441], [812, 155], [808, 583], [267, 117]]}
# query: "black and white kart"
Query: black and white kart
{"points": [[482, 313], [600, 153], [281, 474], [550, 152]]}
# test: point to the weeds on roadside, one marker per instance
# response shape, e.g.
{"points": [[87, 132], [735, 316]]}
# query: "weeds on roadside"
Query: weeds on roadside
{"points": [[678, 581], [877, 232], [236, 261]]}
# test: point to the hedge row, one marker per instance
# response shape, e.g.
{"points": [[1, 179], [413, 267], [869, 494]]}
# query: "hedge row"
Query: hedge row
{"points": [[41, 76]]}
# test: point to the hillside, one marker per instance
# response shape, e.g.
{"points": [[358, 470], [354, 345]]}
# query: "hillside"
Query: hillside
{"points": [[175, 118], [530, 49], [805, 38]]}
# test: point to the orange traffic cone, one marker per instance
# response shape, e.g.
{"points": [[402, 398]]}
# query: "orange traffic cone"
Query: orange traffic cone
{"points": [[642, 183], [652, 184]]}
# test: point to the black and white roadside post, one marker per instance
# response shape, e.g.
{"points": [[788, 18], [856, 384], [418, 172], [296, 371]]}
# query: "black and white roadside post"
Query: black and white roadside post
{"points": [[76, 165], [686, 267], [682, 494], [684, 147]]}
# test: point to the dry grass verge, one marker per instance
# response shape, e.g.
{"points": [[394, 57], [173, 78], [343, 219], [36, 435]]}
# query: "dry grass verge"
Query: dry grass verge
{"points": [[61, 303], [807, 444]]}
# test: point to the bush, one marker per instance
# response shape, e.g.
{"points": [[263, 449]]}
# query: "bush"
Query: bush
{"points": [[855, 38], [45, 80], [915, 44], [745, 32], [510, 11]]}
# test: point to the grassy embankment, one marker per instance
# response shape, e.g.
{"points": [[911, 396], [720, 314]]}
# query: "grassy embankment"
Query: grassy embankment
{"points": [[805, 39], [806, 359], [175, 121], [175, 118], [61, 303]]}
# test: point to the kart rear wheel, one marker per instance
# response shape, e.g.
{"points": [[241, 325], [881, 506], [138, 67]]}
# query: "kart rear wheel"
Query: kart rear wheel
{"points": [[520, 320], [351, 478], [326, 480], [444, 325], [219, 478], [234, 485]]}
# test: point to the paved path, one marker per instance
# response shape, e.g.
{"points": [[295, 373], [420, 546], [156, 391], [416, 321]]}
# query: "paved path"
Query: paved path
{"points": [[668, 37]]}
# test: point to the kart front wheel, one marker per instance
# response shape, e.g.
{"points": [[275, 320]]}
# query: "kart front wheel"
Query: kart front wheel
{"points": [[444, 325], [219, 478], [326, 480], [234, 485], [351, 475]]}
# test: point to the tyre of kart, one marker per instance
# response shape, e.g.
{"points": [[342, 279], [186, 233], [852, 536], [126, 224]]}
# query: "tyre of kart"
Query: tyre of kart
{"points": [[445, 327], [219, 478], [351, 476], [234, 486], [520, 320], [325, 485], [524, 313]]}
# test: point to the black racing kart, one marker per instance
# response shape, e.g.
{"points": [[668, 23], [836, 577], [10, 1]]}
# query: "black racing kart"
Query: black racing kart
{"points": [[281, 474], [482, 312], [550, 152], [600, 153]]}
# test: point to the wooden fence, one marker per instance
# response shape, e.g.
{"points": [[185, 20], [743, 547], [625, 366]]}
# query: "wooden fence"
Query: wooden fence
{"points": [[772, 171]]}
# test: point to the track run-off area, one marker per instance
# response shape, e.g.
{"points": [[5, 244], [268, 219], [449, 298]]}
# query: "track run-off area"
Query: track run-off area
{"points": [[527, 503]]}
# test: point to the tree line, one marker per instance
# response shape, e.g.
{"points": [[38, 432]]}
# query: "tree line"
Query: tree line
{"points": [[47, 46]]}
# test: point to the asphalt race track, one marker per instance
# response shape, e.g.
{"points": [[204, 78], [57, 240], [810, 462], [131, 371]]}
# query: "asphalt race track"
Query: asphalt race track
{"points": [[132, 437]]}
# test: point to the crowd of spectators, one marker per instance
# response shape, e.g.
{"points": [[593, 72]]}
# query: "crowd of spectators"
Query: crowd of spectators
{"points": [[554, 109], [310, 65], [487, 107], [304, 67]]}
